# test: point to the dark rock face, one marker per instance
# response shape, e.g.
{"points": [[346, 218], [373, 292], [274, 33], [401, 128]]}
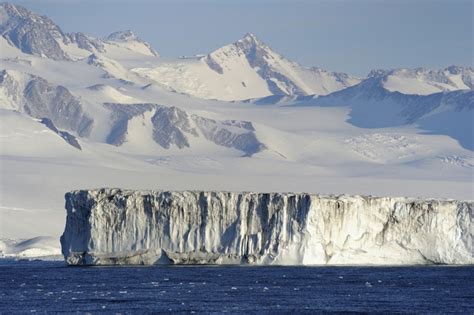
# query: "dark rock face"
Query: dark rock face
{"points": [[120, 115], [86, 42], [245, 140], [170, 126], [213, 64], [40, 99], [63, 134], [460, 100], [58, 104], [173, 127], [32, 33]]}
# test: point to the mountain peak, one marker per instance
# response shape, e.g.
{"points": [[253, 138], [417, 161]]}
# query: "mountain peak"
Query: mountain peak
{"points": [[248, 41], [30, 32], [127, 36], [455, 69], [277, 74], [12, 10], [11, 15], [377, 73], [249, 46], [250, 38], [123, 36]]}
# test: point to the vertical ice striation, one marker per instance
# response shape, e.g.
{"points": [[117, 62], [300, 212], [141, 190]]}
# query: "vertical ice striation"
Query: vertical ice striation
{"points": [[113, 226]]}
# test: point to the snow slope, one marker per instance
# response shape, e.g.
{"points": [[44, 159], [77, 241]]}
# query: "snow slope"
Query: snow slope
{"points": [[372, 105], [308, 149], [424, 81], [170, 126]]}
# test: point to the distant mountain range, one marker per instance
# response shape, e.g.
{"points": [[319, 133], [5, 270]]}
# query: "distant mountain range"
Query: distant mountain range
{"points": [[38, 35], [374, 106], [131, 72], [245, 69]]}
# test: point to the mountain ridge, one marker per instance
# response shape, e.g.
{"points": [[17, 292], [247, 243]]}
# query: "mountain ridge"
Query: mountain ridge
{"points": [[38, 35]]}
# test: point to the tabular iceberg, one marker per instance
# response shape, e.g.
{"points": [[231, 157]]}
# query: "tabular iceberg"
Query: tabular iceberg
{"points": [[114, 226]]}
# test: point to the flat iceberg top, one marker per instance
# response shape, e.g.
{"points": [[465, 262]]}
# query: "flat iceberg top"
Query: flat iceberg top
{"points": [[127, 192], [115, 226]]}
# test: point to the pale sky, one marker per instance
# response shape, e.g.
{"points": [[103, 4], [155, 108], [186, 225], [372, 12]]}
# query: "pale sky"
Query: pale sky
{"points": [[352, 36]]}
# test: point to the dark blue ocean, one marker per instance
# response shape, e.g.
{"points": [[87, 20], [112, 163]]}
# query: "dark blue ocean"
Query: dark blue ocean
{"points": [[35, 286]]}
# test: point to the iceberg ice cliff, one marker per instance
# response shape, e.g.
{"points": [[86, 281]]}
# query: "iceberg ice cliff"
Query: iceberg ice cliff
{"points": [[114, 226]]}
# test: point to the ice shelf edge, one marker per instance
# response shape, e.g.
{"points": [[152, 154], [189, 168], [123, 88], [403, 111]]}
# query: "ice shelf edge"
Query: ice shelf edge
{"points": [[115, 226]]}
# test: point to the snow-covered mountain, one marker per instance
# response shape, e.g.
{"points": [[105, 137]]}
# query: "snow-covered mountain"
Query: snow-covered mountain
{"points": [[373, 105], [30, 32], [245, 69], [38, 35], [132, 42], [282, 76], [166, 126], [424, 81], [171, 126], [111, 68], [40, 99]]}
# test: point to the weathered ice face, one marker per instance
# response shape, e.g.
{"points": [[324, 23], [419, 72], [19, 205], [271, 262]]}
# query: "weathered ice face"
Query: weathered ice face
{"points": [[113, 226]]}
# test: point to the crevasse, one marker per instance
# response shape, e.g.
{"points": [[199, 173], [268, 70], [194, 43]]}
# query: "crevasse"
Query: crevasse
{"points": [[114, 226]]}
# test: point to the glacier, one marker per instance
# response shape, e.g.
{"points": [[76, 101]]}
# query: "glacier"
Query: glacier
{"points": [[115, 226]]}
